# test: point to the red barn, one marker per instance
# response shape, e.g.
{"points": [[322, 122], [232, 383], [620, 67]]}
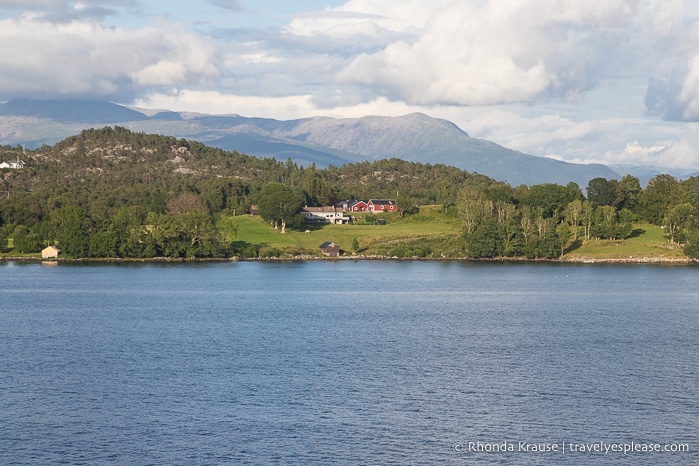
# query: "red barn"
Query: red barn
{"points": [[382, 205], [357, 206]]}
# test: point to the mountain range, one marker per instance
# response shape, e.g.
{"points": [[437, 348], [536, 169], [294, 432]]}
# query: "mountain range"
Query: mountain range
{"points": [[319, 140]]}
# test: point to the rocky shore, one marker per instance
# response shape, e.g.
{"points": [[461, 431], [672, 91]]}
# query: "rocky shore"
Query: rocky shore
{"points": [[578, 260]]}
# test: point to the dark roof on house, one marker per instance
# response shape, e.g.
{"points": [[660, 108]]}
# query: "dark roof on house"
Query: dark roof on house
{"points": [[327, 244], [382, 201]]}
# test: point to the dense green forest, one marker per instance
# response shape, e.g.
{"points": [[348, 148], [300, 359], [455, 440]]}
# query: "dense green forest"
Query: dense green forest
{"points": [[112, 192]]}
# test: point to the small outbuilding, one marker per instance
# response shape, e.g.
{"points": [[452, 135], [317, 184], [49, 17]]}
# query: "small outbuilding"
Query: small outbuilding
{"points": [[382, 205], [50, 252], [330, 249], [355, 206]]}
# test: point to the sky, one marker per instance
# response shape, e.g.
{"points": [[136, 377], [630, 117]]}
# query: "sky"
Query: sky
{"points": [[610, 81]]}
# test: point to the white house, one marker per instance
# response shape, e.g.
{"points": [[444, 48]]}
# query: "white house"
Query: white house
{"points": [[16, 165], [326, 214]]}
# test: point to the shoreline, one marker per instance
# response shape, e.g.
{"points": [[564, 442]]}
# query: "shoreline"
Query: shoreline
{"points": [[574, 260]]}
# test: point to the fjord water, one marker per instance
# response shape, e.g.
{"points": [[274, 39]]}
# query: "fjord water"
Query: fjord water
{"points": [[364, 362]]}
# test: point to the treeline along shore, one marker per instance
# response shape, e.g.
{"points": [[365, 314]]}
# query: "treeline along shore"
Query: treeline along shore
{"points": [[111, 193]]}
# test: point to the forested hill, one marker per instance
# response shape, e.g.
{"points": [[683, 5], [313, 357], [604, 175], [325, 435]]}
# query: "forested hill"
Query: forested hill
{"points": [[112, 192], [101, 170]]}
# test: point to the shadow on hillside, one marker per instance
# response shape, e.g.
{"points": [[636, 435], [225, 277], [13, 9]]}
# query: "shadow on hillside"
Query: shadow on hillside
{"points": [[636, 233], [574, 245], [308, 227]]}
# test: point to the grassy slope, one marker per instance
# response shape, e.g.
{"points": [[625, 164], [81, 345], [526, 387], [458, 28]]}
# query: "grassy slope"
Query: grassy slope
{"points": [[429, 223], [648, 241]]}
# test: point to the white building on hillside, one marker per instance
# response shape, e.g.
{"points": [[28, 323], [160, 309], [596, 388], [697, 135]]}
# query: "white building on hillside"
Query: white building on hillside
{"points": [[327, 214], [16, 165]]}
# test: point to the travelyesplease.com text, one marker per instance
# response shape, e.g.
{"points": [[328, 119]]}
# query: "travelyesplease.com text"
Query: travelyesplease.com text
{"points": [[570, 447]]}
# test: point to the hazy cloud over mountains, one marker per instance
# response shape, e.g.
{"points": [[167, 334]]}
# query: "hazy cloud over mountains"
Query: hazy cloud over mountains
{"points": [[593, 80]]}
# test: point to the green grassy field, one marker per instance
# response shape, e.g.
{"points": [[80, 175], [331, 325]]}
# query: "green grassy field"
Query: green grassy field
{"points": [[647, 241], [428, 224]]}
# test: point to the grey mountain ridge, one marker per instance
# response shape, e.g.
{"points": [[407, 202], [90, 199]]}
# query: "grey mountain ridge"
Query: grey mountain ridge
{"points": [[93, 112], [321, 141]]}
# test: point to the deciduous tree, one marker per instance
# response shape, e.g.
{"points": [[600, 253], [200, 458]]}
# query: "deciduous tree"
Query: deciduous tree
{"points": [[661, 193], [185, 202], [601, 191], [676, 222], [573, 215], [71, 228], [473, 208], [26, 241], [280, 204], [227, 229], [407, 206]]}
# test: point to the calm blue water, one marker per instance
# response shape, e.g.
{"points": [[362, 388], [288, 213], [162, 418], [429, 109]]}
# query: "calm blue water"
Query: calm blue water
{"points": [[317, 363]]}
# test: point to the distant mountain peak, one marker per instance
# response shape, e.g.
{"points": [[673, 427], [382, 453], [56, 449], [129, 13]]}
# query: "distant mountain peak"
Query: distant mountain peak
{"points": [[414, 137], [71, 111], [376, 136], [421, 118]]}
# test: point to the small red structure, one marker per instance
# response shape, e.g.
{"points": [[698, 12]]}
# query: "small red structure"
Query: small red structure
{"points": [[357, 206], [382, 205]]}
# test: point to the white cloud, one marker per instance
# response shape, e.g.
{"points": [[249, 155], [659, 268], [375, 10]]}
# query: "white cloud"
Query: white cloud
{"points": [[664, 16], [284, 108], [655, 154], [567, 76], [689, 93], [89, 58], [164, 72], [672, 38], [679, 153], [388, 15], [225, 104], [481, 53]]}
